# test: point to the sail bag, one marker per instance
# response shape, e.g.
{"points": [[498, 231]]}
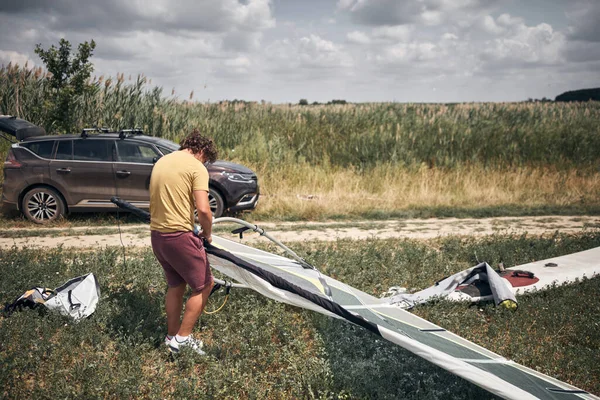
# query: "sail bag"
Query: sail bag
{"points": [[76, 298]]}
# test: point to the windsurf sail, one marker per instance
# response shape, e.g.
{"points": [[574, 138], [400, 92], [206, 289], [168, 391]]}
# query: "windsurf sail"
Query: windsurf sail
{"points": [[482, 283], [482, 278], [286, 280], [294, 281]]}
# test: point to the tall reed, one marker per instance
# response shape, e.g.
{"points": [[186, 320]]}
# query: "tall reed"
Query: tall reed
{"points": [[359, 135]]}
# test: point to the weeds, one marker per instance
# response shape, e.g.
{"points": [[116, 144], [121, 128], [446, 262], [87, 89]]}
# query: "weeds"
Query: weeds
{"points": [[258, 348]]}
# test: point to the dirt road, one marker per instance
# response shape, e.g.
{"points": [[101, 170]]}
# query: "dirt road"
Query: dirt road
{"points": [[138, 235]]}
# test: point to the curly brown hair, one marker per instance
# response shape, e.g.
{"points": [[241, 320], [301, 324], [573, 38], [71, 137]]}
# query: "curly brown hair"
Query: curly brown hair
{"points": [[199, 143]]}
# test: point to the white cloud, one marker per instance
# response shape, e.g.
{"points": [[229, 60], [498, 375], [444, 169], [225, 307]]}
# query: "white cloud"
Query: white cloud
{"points": [[239, 65], [449, 36], [173, 15], [238, 62], [308, 52], [14, 57], [116, 18], [394, 33], [358, 37], [256, 15], [508, 21], [405, 53], [432, 17], [162, 38], [376, 49], [382, 35], [488, 24], [526, 44], [156, 46], [491, 47]]}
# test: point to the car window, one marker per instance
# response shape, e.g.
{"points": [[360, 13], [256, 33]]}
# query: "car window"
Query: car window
{"points": [[92, 150], [42, 149], [165, 150], [64, 151], [136, 152]]}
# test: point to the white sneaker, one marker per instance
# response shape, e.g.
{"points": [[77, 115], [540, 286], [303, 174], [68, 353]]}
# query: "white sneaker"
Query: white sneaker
{"points": [[168, 341], [194, 344]]}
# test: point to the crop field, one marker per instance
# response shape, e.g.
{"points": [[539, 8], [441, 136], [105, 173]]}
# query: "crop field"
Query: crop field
{"points": [[363, 160], [258, 348]]}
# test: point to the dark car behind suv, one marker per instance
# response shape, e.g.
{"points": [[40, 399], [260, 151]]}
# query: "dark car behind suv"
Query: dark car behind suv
{"points": [[47, 177]]}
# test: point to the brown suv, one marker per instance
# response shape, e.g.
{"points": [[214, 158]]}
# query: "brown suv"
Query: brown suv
{"points": [[47, 177]]}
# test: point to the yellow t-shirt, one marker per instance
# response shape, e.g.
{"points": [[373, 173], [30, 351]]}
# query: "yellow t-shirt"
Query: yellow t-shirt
{"points": [[174, 179]]}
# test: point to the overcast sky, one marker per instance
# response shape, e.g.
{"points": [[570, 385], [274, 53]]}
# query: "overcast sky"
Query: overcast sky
{"points": [[357, 50]]}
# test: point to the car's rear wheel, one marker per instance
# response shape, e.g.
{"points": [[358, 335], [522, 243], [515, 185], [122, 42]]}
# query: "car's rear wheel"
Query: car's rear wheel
{"points": [[43, 205], [215, 200]]}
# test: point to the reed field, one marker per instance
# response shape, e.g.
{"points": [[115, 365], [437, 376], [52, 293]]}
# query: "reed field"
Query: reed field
{"points": [[362, 160]]}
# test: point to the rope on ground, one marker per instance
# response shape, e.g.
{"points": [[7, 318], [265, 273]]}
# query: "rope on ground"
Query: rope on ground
{"points": [[218, 309]]}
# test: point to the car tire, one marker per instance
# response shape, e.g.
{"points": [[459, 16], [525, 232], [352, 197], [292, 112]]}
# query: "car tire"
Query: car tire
{"points": [[215, 200], [43, 205]]}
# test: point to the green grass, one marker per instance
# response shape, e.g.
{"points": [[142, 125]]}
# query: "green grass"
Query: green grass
{"points": [[15, 219], [258, 348], [12, 233]]}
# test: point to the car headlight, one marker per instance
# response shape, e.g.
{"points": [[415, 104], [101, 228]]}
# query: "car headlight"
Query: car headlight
{"points": [[238, 177]]}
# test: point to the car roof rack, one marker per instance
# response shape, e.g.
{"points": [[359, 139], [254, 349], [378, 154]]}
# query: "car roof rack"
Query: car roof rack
{"points": [[123, 133], [85, 131]]}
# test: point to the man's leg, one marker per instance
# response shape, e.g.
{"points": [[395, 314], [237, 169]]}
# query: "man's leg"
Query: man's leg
{"points": [[173, 306], [193, 308]]}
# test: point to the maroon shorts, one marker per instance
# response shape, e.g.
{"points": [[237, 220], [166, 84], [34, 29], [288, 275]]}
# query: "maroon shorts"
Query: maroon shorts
{"points": [[183, 258]]}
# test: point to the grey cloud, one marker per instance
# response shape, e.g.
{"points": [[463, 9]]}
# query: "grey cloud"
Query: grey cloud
{"points": [[125, 31], [167, 16], [408, 50], [429, 12], [242, 41], [24, 6], [384, 12], [585, 21], [579, 51]]}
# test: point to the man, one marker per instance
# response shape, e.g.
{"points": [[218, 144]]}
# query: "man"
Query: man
{"points": [[178, 185]]}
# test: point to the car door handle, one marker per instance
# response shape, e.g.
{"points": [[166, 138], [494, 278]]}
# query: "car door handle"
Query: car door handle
{"points": [[123, 173], [63, 170]]}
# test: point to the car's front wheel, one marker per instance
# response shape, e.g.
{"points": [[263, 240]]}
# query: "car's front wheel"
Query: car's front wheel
{"points": [[42, 205], [215, 200]]}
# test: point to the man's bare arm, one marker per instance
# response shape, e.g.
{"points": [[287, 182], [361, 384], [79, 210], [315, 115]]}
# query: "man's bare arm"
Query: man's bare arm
{"points": [[204, 213]]}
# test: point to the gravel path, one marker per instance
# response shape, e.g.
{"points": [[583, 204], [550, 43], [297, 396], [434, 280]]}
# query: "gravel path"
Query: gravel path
{"points": [[138, 235]]}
